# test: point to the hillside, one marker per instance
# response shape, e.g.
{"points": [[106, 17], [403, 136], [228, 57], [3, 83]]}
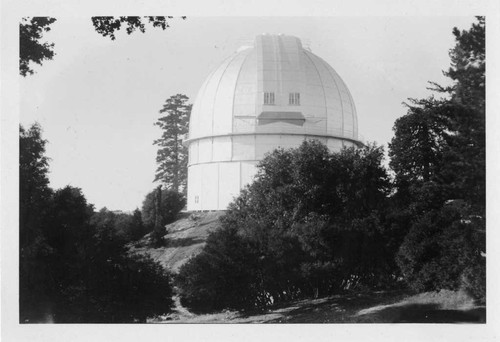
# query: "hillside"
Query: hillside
{"points": [[185, 238]]}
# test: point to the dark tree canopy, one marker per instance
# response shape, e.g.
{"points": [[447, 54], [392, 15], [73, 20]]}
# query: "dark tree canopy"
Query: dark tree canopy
{"points": [[438, 154], [123, 227], [422, 129], [172, 155], [447, 136], [468, 65], [35, 196], [171, 204], [34, 191], [31, 49], [311, 224], [73, 264]]}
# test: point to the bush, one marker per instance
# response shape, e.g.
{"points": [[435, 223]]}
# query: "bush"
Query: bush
{"points": [[311, 224], [221, 276], [129, 289], [443, 251], [171, 204]]}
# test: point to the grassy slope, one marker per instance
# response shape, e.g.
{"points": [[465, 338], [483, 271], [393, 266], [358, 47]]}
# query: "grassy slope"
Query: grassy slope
{"points": [[186, 238]]}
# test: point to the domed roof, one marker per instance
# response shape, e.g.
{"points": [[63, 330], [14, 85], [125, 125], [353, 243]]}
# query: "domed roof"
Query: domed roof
{"points": [[276, 86]]}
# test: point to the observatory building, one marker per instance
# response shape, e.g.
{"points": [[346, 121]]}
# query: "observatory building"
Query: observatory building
{"points": [[272, 94]]}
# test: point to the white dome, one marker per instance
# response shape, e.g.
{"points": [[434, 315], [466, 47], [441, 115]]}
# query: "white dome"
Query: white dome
{"points": [[274, 94]]}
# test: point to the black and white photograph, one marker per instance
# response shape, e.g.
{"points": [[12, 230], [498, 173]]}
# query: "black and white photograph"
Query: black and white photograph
{"points": [[312, 173]]}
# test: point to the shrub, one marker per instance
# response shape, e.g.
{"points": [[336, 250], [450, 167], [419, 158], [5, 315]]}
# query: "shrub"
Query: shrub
{"points": [[443, 251], [221, 276], [310, 224], [130, 289], [171, 204]]}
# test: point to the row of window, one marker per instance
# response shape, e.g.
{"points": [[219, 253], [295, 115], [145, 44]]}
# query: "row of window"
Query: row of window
{"points": [[293, 99]]}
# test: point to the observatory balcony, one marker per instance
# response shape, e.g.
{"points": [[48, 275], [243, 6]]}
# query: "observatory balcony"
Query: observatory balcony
{"points": [[294, 118]]}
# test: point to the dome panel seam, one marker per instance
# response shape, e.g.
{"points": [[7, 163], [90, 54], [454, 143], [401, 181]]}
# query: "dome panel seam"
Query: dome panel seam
{"points": [[338, 90], [217, 91], [322, 86]]}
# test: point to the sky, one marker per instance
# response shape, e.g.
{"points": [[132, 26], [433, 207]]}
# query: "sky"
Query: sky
{"points": [[98, 99]]}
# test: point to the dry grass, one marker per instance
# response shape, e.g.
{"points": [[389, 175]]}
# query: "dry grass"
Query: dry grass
{"points": [[185, 239]]}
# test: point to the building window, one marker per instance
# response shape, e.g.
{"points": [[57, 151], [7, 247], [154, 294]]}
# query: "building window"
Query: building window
{"points": [[196, 199], [269, 98], [294, 99]]}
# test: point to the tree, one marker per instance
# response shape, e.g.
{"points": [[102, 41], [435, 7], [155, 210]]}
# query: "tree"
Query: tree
{"points": [[311, 224], [468, 66], [221, 276], [172, 155], [73, 265], [421, 128], [35, 285], [30, 48], [68, 228], [441, 178], [123, 227], [171, 204], [466, 157], [442, 250], [137, 229], [34, 191], [31, 32], [417, 168]]}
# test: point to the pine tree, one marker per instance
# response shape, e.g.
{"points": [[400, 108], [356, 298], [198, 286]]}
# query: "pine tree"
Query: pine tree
{"points": [[172, 155], [438, 156]]}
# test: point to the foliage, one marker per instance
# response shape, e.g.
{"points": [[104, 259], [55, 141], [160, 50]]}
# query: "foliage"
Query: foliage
{"points": [[73, 262], [441, 249], [135, 228], [34, 190], [34, 201], [441, 179], [422, 128], [119, 289], [311, 224], [222, 276], [125, 227], [172, 155], [171, 204], [30, 48], [468, 66], [107, 26]]}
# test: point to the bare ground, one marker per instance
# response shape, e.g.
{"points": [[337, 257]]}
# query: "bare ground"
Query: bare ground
{"points": [[376, 307]]}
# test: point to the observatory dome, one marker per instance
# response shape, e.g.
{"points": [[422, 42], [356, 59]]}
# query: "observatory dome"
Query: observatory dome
{"points": [[273, 94]]}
